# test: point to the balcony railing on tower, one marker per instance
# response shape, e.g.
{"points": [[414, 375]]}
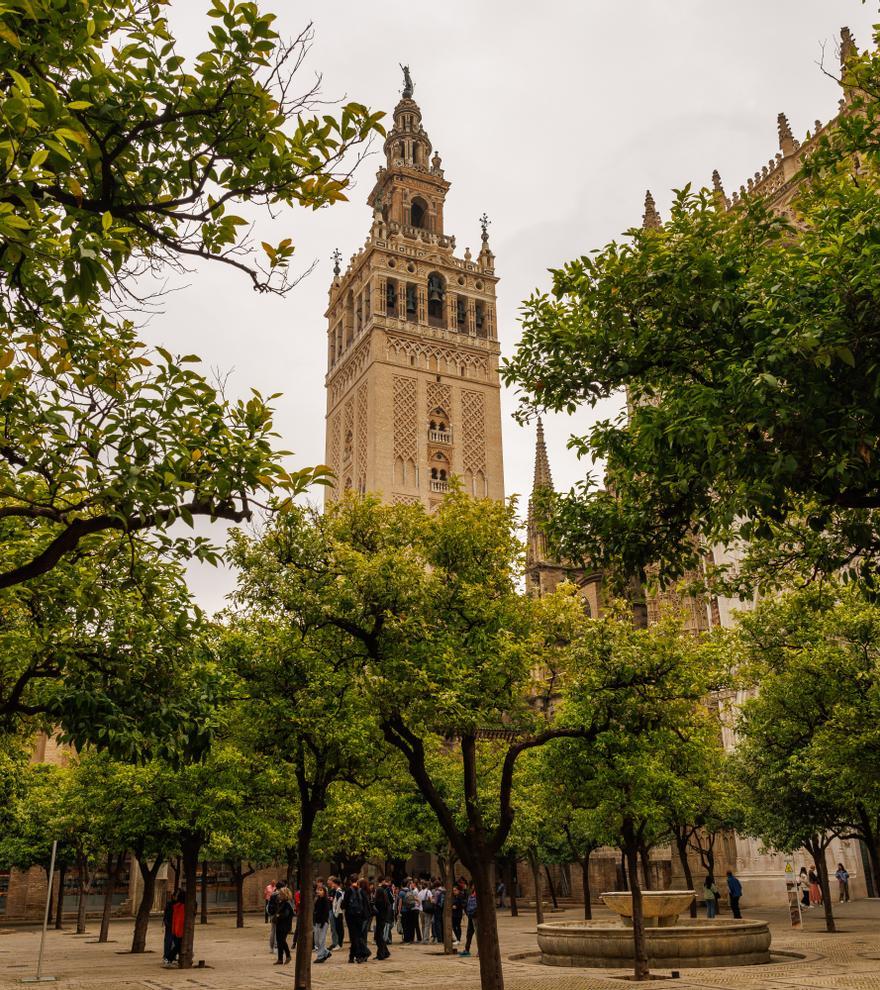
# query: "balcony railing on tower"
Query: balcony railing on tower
{"points": [[440, 436]]}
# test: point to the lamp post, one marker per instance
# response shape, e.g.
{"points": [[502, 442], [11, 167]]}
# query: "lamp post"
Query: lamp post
{"points": [[39, 978]]}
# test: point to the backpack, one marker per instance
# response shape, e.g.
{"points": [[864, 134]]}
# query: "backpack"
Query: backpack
{"points": [[471, 907], [410, 900], [428, 903], [273, 905]]}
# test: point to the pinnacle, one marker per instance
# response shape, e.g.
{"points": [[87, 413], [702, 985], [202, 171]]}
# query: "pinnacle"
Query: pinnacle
{"points": [[543, 478], [651, 218], [784, 129]]}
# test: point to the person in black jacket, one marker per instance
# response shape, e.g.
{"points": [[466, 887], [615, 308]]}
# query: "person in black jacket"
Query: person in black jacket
{"points": [[355, 908], [383, 909], [283, 924]]}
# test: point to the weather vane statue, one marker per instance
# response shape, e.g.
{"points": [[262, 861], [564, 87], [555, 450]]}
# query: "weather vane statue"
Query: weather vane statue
{"points": [[337, 257], [408, 85], [484, 226]]}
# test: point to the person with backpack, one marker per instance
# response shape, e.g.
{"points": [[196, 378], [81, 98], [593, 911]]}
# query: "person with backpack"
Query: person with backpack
{"points": [[284, 915], [355, 911], [439, 907], [383, 911], [426, 915], [409, 905], [470, 910]]}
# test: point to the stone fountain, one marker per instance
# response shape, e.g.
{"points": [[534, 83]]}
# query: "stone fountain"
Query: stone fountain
{"points": [[672, 943]]}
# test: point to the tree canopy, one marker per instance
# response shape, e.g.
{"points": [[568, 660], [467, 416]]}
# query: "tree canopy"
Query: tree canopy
{"points": [[745, 340]]}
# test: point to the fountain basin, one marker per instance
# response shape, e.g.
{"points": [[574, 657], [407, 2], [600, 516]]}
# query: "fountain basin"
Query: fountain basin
{"points": [[661, 907], [693, 942]]}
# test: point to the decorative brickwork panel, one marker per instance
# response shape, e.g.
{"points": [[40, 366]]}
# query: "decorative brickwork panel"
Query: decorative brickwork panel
{"points": [[398, 499], [439, 395], [406, 443], [473, 431], [449, 359], [361, 437], [334, 452], [347, 435]]}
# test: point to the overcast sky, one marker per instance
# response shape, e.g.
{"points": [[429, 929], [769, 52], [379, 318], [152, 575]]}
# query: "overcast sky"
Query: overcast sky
{"points": [[553, 118]]}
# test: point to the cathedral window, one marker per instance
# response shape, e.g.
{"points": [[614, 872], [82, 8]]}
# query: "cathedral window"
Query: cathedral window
{"points": [[461, 313], [436, 299], [418, 213], [411, 303], [391, 297]]}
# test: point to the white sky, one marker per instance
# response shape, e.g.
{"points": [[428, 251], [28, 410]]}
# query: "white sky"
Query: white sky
{"points": [[554, 118]]}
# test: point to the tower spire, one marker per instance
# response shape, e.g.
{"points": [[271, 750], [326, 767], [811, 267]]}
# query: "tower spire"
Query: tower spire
{"points": [[786, 138], [718, 190], [651, 218], [543, 478]]}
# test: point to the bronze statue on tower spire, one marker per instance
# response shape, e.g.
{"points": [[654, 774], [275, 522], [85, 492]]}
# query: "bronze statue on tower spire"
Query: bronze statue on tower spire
{"points": [[408, 84]]}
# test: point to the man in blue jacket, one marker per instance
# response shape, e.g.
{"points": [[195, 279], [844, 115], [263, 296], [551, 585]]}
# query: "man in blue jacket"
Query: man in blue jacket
{"points": [[734, 890]]}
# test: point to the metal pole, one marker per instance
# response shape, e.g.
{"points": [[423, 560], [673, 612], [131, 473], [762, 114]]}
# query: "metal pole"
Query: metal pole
{"points": [[39, 978]]}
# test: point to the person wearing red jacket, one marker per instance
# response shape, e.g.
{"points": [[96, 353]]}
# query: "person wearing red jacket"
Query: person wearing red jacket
{"points": [[178, 912]]}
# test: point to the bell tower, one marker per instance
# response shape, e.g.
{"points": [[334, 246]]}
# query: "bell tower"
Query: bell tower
{"points": [[413, 393]]}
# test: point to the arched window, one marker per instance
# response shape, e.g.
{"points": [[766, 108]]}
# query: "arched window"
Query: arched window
{"points": [[480, 318], [391, 297], [436, 298], [412, 312], [461, 313], [418, 213]]}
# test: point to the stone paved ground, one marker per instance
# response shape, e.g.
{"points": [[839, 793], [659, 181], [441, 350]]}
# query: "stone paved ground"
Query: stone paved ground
{"points": [[239, 960]]}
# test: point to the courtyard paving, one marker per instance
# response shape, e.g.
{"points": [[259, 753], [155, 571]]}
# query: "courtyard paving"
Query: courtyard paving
{"points": [[239, 960]]}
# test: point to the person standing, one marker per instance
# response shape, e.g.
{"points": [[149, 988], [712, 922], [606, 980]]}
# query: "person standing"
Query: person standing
{"points": [[815, 889], [354, 909], [337, 920], [178, 922], [500, 891], [168, 938], [284, 916], [842, 882], [803, 882], [383, 910], [272, 909], [470, 909], [710, 890], [426, 904], [734, 892], [459, 902], [321, 913], [408, 904], [268, 891], [439, 908]]}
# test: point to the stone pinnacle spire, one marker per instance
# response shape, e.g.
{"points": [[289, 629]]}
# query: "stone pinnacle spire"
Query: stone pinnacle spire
{"points": [[718, 190], [786, 138], [847, 46], [651, 218], [543, 478]]}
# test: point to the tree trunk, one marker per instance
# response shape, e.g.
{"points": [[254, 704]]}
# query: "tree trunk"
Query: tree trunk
{"points": [[142, 918], [551, 887], [113, 871], [449, 880], [585, 884], [491, 973], [681, 843], [645, 857], [815, 846], [203, 920], [190, 847], [85, 883], [511, 885], [59, 902], [302, 963], [623, 872], [872, 845], [640, 942], [238, 878], [539, 894], [176, 868]]}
